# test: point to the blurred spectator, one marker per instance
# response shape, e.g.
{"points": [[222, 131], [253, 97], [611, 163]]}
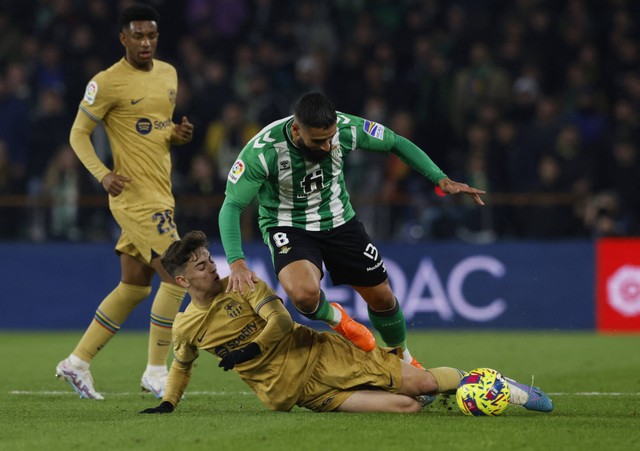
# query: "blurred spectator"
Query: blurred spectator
{"points": [[10, 39], [588, 117], [310, 72], [217, 19], [313, 28], [549, 219], [225, 138], [49, 73], [539, 135], [575, 159], [526, 93], [50, 129], [14, 126], [626, 120], [512, 169], [604, 217], [198, 212], [209, 98], [264, 104], [621, 175], [431, 79], [11, 218], [347, 67], [474, 224], [481, 80], [63, 183], [400, 204]]}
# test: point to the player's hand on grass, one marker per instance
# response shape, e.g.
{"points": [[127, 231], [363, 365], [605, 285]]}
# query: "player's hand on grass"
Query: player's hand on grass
{"points": [[240, 276], [239, 356], [164, 407], [114, 183], [448, 186]]}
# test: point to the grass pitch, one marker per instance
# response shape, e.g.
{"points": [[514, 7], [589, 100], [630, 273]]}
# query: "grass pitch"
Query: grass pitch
{"points": [[594, 382]]}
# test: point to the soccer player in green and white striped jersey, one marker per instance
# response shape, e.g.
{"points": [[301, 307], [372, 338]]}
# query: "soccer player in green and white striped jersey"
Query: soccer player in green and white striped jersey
{"points": [[295, 168]]}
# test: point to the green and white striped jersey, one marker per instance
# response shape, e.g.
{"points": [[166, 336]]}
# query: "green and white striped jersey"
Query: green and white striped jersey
{"points": [[296, 192]]}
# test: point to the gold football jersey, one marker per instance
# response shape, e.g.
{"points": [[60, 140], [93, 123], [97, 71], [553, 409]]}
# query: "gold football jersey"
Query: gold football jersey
{"points": [[136, 108], [231, 322]]}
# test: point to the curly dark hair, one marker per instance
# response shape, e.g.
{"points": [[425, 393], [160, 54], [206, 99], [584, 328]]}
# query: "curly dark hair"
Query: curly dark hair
{"points": [[138, 11], [183, 250]]}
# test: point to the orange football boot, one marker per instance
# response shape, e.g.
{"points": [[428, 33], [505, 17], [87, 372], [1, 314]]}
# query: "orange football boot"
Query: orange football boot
{"points": [[415, 363], [356, 333]]}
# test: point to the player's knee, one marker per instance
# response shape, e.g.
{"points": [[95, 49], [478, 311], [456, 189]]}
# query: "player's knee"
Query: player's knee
{"points": [[406, 404], [418, 382], [428, 383], [304, 298]]}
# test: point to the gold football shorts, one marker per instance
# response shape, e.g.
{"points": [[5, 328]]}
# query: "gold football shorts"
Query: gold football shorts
{"points": [[342, 368], [146, 233]]}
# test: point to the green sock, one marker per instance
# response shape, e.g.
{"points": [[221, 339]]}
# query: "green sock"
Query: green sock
{"points": [[324, 312], [391, 325]]}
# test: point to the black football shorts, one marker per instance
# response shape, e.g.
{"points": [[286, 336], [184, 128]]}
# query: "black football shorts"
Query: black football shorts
{"points": [[347, 252]]}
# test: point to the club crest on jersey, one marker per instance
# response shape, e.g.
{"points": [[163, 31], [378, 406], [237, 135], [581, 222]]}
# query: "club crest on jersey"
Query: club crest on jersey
{"points": [[233, 309], [90, 92], [236, 171], [374, 129], [284, 250], [285, 164], [172, 96]]}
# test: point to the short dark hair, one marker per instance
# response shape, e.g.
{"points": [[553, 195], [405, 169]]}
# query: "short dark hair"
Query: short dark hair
{"points": [[181, 251], [315, 110], [138, 11]]}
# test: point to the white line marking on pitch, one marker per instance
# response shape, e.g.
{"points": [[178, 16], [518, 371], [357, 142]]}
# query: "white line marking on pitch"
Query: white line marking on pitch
{"points": [[223, 393], [60, 392]]}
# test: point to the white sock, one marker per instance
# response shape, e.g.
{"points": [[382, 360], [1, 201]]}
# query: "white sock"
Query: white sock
{"points": [[78, 362], [156, 369], [518, 395], [337, 316], [406, 356]]}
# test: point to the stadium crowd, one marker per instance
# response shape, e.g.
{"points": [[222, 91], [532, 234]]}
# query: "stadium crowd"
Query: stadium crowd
{"points": [[535, 101]]}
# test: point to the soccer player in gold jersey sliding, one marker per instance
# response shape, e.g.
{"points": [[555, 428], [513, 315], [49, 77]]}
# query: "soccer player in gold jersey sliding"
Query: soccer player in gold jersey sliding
{"points": [[135, 100], [287, 364]]}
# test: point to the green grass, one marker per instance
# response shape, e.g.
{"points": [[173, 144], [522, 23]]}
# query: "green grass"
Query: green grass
{"points": [[594, 381]]}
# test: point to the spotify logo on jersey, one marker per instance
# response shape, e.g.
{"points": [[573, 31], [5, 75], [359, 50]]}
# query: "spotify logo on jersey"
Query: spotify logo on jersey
{"points": [[143, 126]]}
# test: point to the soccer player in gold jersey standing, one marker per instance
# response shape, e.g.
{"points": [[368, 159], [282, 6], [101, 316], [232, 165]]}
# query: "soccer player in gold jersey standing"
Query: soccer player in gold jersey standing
{"points": [[135, 100]]}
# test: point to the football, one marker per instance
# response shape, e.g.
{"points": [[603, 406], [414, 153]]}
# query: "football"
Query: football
{"points": [[483, 392]]}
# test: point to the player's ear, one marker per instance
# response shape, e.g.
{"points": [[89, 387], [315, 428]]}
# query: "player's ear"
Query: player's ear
{"points": [[295, 127], [122, 38], [182, 281]]}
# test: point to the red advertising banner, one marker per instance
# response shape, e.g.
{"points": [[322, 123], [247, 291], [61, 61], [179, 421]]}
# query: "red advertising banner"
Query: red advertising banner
{"points": [[618, 285]]}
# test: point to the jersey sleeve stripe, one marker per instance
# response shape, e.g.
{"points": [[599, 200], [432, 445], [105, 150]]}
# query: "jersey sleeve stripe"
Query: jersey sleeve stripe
{"points": [[270, 298], [263, 161], [353, 138], [84, 110]]}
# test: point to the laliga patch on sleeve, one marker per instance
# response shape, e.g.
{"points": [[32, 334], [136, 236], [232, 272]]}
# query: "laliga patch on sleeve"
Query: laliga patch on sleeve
{"points": [[236, 171], [374, 129], [90, 93]]}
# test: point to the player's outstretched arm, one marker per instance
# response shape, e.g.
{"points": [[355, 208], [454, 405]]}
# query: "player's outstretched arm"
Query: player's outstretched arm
{"points": [[448, 186]]}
